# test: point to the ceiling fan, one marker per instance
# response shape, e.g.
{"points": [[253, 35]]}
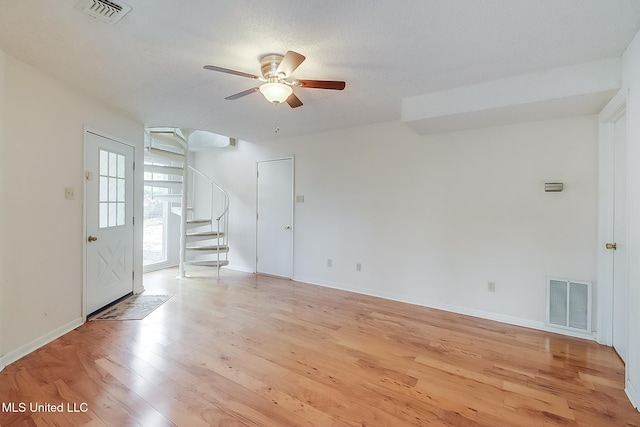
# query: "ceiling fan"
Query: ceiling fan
{"points": [[276, 75]]}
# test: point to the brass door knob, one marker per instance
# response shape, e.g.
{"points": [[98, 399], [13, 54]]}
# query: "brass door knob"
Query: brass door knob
{"points": [[611, 246], [91, 239]]}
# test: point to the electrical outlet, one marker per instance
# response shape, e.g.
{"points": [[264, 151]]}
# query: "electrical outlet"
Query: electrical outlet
{"points": [[491, 286], [358, 267], [329, 262]]}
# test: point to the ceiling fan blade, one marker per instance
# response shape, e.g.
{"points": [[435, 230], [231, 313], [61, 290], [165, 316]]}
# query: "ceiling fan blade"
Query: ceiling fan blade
{"points": [[294, 101], [289, 63], [228, 71], [243, 93], [321, 84]]}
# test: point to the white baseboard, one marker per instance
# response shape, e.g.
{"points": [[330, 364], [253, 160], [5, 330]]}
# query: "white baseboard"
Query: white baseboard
{"points": [[633, 394], [239, 268], [22, 351], [503, 318]]}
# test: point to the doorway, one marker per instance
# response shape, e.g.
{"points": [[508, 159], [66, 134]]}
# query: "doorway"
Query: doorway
{"points": [[618, 246], [108, 220], [613, 264], [274, 217]]}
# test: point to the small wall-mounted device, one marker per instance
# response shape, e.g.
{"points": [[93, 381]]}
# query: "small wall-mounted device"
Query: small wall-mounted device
{"points": [[553, 187]]}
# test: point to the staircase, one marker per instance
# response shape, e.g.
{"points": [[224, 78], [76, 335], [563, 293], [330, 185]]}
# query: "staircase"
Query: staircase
{"points": [[203, 239]]}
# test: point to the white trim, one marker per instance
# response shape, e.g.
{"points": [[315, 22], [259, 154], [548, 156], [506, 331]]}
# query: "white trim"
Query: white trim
{"points": [[609, 115], [502, 318], [35, 344], [293, 212]]}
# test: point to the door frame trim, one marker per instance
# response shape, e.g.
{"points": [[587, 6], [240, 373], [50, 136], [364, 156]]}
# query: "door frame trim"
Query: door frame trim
{"points": [[611, 113], [293, 209], [87, 130]]}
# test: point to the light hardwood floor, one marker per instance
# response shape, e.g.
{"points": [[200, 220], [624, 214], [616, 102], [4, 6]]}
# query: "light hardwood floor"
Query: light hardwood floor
{"points": [[261, 351]]}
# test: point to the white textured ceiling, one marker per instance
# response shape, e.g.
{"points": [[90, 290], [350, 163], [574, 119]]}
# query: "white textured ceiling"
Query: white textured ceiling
{"points": [[150, 63]]}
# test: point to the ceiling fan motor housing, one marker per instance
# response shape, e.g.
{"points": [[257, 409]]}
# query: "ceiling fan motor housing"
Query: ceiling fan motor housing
{"points": [[269, 66]]}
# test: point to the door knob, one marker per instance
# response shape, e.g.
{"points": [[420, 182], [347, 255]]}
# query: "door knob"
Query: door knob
{"points": [[92, 239], [288, 227], [611, 246]]}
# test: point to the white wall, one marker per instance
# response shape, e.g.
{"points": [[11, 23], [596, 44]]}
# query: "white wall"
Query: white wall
{"points": [[432, 218], [43, 141], [631, 84]]}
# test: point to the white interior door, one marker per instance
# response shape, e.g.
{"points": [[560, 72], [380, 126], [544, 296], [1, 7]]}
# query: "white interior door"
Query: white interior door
{"points": [[620, 254], [109, 220], [275, 217]]}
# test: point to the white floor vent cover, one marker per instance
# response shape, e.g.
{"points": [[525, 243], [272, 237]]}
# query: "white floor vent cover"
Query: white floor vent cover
{"points": [[569, 304], [104, 10]]}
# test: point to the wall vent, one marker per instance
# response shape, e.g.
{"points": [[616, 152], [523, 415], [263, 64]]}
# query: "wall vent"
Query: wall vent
{"points": [[569, 304], [103, 10]]}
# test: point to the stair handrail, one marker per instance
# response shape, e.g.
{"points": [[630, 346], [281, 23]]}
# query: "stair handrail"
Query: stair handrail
{"points": [[225, 223], [212, 182]]}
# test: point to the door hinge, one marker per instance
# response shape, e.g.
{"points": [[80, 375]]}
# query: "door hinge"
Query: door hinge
{"points": [[133, 275], [134, 165], [134, 220]]}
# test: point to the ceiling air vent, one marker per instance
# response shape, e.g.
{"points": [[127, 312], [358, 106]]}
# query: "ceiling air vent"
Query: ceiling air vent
{"points": [[104, 10]]}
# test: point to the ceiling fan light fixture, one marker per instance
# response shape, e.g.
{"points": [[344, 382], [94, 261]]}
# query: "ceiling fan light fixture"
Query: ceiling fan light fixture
{"points": [[276, 92], [276, 74]]}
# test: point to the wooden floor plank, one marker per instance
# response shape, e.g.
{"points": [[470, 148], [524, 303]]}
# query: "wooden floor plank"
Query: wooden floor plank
{"points": [[251, 350]]}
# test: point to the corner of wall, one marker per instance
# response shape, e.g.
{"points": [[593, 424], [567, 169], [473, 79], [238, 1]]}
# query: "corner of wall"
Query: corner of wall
{"points": [[24, 327], [42, 340], [631, 84], [2, 280]]}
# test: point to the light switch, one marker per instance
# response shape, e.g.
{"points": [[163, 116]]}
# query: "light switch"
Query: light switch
{"points": [[300, 199], [69, 193]]}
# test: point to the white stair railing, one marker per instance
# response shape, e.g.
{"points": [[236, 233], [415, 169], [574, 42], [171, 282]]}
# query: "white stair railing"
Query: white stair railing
{"points": [[220, 215]]}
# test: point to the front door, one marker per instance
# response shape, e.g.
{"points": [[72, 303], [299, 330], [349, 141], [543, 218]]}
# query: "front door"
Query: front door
{"points": [[109, 220], [275, 217]]}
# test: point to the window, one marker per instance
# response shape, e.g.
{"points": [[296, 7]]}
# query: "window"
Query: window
{"points": [[156, 220], [112, 190]]}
